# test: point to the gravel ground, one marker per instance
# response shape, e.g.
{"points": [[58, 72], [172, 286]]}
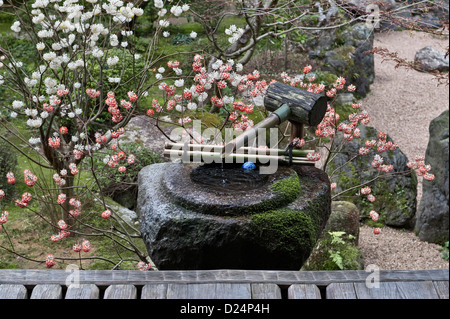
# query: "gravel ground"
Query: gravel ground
{"points": [[397, 249], [402, 103]]}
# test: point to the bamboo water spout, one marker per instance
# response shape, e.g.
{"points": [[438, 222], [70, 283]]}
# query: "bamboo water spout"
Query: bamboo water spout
{"points": [[298, 106]]}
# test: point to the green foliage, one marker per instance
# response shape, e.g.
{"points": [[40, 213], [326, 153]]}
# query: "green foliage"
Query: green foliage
{"points": [[7, 265], [336, 258], [444, 251], [181, 39], [339, 250], [122, 187], [23, 49], [335, 251]]}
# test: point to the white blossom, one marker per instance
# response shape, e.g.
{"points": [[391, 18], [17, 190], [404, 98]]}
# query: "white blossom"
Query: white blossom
{"points": [[112, 60], [16, 27], [17, 104], [176, 10], [164, 23]]}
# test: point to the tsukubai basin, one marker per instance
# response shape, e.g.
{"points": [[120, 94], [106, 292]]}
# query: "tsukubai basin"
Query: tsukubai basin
{"points": [[213, 216]]}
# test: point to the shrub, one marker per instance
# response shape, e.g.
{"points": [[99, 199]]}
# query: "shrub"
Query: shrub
{"points": [[122, 187]]}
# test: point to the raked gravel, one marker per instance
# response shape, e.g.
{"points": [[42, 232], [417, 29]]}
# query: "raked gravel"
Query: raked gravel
{"points": [[402, 103]]}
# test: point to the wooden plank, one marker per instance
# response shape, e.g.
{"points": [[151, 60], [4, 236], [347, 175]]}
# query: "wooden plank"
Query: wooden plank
{"points": [[417, 290], [341, 291], [50, 291], [303, 291], [442, 289], [9, 291], [121, 292], [82, 291], [209, 291], [386, 290], [154, 291], [265, 291], [397, 290], [135, 277]]}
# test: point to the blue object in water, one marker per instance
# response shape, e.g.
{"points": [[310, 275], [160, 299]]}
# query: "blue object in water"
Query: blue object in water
{"points": [[248, 166]]}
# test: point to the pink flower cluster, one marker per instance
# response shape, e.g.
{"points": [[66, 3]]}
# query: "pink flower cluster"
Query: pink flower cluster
{"points": [[3, 218], [26, 199], [367, 191], [142, 266], [421, 169]]}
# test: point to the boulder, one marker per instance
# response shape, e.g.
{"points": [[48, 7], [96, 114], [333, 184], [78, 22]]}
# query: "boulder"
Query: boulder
{"points": [[395, 195], [187, 225], [429, 59], [350, 59], [344, 217], [432, 216], [344, 220]]}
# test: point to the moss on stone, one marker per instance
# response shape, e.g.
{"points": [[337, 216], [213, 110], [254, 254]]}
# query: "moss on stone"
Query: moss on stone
{"points": [[289, 188], [393, 201], [321, 258], [284, 230]]}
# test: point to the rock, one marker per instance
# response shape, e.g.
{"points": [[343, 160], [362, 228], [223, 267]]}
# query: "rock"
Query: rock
{"points": [[431, 14], [350, 59], [344, 218], [432, 216], [395, 195], [143, 129], [361, 5], [188, 226], [320, 42], [429, 59], [345, 98]]}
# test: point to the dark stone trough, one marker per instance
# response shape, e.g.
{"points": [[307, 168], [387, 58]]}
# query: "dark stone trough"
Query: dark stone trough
{"points": [[273, 224]]}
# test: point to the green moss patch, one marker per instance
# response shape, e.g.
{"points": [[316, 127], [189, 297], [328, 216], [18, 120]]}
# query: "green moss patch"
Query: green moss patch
{"points": [[284, 230]]}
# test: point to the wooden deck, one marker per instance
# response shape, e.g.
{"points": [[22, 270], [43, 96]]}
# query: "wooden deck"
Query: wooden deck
{"points": [[222, 284]]}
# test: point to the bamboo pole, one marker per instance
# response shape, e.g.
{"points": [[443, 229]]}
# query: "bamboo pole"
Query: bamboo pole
{"points": [[246, 149], [210, 157]]}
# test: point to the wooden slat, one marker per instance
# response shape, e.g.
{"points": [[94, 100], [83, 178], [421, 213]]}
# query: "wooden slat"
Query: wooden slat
{"points": [[154, 291], [386, 290], [209, 291], [417, 290], [32, 277], [341, 291], [13, 292], [83, 291], [121, 292], [265, 291], [50, 291], [442, 289], [397, 290], [302, 291]]}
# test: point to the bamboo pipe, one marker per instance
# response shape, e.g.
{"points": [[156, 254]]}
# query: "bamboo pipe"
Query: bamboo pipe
{"points": [[214, 156], [246, 149], [274, 119]]}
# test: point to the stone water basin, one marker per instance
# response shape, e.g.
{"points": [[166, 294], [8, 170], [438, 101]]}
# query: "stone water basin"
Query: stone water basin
{"points": [[212, 217]]}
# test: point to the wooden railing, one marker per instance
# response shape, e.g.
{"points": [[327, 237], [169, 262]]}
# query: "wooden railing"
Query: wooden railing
{"points": [[223, 284]]}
